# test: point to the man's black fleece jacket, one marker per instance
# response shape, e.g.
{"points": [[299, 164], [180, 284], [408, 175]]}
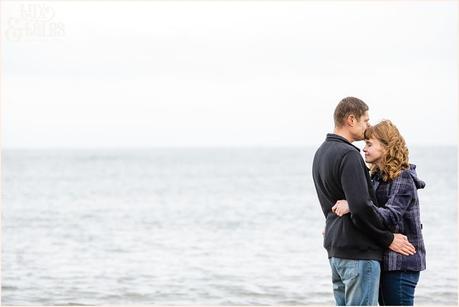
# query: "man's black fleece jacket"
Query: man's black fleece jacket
{"points": [[339, 172]]}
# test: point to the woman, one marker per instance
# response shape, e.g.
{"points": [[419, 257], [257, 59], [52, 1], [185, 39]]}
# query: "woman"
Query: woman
{"points": [[395, 183]]}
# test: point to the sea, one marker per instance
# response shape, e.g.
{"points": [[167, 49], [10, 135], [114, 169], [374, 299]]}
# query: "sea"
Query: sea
{"points": [[191, 226]]}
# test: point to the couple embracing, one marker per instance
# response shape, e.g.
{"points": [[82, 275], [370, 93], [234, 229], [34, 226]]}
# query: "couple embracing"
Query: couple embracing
{"points": [[373, 233]]}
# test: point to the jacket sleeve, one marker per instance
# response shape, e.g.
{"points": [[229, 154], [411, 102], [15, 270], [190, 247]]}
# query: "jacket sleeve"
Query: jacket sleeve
{"points": [[401, 195], [355, 187]]}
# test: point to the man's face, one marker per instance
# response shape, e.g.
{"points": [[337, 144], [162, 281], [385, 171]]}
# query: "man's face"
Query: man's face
{"points": [[361, 125]]}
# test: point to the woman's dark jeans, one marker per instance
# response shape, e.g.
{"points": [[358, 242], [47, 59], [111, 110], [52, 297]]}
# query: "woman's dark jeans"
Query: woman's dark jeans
{"points": [[396, 288]]}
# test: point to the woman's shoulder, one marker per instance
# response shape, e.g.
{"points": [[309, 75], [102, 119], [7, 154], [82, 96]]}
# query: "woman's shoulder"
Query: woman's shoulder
{"points": [[409, 176], [405, 174]]}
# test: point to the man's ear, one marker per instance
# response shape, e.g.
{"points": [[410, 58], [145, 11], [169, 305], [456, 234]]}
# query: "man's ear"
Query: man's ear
{"points": [[350, 120]]}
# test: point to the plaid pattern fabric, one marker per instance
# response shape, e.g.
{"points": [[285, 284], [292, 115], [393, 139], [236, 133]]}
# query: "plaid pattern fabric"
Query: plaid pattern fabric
{"points": [[400, 213]]}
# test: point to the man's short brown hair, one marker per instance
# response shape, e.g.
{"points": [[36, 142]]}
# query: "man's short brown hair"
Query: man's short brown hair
{"points": [[349, 106]]}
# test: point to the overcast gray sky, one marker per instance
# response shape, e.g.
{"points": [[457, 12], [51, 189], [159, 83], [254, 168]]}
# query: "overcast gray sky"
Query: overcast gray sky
{"points": [[223, 73]]}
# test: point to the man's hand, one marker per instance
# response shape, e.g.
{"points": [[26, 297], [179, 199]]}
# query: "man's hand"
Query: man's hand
{"points": [[401, 245], [341, 208]]}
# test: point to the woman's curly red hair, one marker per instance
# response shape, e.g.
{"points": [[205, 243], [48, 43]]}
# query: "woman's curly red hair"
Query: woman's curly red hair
{"points": [[395, 157]]}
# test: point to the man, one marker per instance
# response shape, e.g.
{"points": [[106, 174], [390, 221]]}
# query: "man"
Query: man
{"points": [[355, 243]]}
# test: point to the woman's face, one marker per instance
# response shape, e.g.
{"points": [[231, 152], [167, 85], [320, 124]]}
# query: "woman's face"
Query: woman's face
{"points": [[374, 151]]}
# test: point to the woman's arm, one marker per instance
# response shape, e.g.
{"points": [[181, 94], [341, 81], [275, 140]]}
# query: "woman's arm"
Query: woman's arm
{"points": [[401, 194]]}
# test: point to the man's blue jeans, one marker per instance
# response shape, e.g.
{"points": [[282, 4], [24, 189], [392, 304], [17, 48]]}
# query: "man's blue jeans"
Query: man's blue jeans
{"points": [[397, 288], [355, 282]]}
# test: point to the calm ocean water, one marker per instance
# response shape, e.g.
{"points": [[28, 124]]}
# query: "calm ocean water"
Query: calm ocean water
{"points": [[235, 226]]}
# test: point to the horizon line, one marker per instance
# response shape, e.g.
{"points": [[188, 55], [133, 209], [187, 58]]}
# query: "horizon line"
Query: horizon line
{"points": [[188, 146]]}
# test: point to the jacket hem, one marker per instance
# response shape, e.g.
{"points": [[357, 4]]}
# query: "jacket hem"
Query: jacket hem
{"points": [[355, 254]]}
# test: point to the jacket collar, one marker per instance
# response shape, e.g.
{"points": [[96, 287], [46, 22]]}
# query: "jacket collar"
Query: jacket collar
{"points": [[331, 137]]}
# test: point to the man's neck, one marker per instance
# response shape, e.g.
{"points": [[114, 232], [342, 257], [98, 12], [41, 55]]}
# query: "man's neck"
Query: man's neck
{"points": [[344, 133]]}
